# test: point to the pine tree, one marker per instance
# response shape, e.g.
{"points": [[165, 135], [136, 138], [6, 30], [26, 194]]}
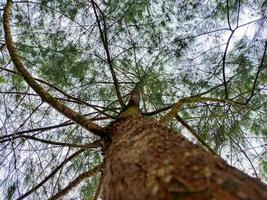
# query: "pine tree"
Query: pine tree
{"points": [[96, 95]]}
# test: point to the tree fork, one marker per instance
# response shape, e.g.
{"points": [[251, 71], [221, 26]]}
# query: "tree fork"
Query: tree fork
{"points": [[147, 160]]}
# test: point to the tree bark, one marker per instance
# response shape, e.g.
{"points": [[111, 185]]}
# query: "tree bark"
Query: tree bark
{"points": [[147, 160]]}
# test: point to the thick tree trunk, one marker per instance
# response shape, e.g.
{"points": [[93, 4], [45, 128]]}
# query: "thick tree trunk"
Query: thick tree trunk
{"points": [[149, 161]]}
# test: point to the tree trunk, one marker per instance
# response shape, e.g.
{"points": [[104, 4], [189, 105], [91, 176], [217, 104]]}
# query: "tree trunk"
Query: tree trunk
{"points": [[147, 160]]}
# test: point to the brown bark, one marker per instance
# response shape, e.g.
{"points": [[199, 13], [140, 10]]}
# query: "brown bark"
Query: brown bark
{"points": [[146, 160]]}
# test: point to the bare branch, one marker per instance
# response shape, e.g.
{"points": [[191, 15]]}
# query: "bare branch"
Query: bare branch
{"points": [[238, 13], [194, 96]]}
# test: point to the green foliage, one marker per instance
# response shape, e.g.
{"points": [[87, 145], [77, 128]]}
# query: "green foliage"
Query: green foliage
{"points": [[264, 169], [132, 11], [178, 45], [155, 87], [10, 192], [89, 188], [2, 80], [18, 82], [68, 65]]}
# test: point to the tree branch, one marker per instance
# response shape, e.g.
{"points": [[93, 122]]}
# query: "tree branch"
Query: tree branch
{"points": [[158, 111], [103, 35], [77, 181], [258, 73], [189, 100], [60, 107], [197, 95], [2, 46], [228, 15], [95, 144], [223, 64], [53, 9], [75, 99], [98, 188], [51, 174], [194, 133], [40, 130], [245, 154]]}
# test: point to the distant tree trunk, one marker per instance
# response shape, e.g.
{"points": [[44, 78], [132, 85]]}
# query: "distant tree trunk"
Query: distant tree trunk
{"points": [[146, 160]]}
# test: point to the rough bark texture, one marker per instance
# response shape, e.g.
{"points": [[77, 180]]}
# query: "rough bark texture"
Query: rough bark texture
{"points": [[149, 161]]}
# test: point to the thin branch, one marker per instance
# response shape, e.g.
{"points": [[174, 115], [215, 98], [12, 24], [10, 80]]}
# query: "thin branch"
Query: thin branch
{"points": [[197, 95], [77, 181], [95, 144], [245, 154], [104, 38], [194, 133], [52, 101], [190, 100], [36, 95], [226, 49], [98, 188], [223, 64], [42, 129], [238, 13], [258, 73], [51, 174], [34, 130], [238, 145], [228, 15], [53, 9], [75, 99], [2, 46], [252, 148], [158, 111]]}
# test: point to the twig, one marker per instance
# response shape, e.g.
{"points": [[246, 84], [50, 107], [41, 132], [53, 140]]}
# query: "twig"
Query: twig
{"points": [[95, 144], [194, 133], [77, 181], [158, 111], [104, 38], [98, 188], [2, 46], [51, 8], [228, 15], [75, 99], [51, 174], [245, 154], [257, 75], [223, 64], [195, 99]]}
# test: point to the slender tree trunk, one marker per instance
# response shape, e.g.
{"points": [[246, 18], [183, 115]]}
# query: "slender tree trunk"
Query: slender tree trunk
{"points": [[146, 160]]}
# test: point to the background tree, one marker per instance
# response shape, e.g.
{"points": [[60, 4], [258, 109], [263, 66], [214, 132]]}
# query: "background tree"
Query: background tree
{"points": [[202, 65]]}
